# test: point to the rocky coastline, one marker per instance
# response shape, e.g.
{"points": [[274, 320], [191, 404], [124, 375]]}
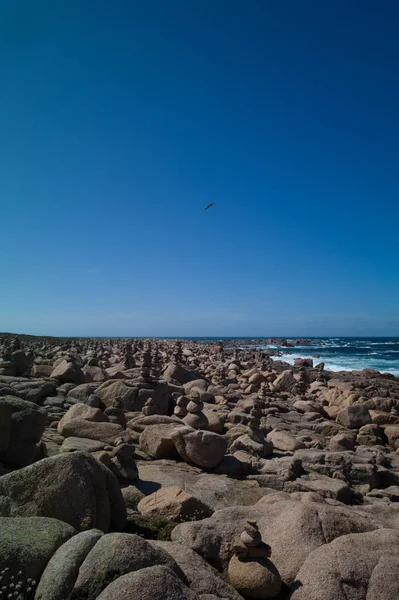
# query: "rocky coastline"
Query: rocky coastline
{"points": [[175, 469]]}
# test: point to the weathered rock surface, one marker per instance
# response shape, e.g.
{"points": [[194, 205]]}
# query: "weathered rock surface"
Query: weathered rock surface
{"points": [[201, 577], [174, 504], [157, 441], [117, 554], [62, 570], [353, 567], [291, 527], [68, 372], [22, 431], [201, 448], [311, 456], [354, 417], [108, 433], [153, 582], [27, 544], [74, 488], [214, 490]]}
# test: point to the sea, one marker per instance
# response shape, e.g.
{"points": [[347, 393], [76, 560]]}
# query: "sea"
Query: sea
{"points": [[348, 354], [342, 353]]}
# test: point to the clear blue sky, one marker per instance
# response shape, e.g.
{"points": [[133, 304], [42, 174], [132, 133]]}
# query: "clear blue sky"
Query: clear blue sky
{"points": [[120, 121]]}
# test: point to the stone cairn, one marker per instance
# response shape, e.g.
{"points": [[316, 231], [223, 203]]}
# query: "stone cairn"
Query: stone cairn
{"points": [[218, 374], [180, 410], [6, 352], [115, 412], [267, 365], [128, 359], [222, 372], [250, 543], [302, 385], [254, 423], [195, 417], [178, 353], [15, 345], [123, 464], [321, 376], [265, 393], [150, 408], [250, 571], [156, 370], [145, 370]]}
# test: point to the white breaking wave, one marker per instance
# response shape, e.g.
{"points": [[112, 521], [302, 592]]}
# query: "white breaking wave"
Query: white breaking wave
{"points": [[349, 364]]}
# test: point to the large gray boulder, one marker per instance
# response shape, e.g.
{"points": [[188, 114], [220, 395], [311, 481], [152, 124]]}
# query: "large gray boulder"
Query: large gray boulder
{"points": [[362, 566], [173, 504], [201, 448], [112, 389], [25, 429], [108, 433], [285, 382], [22, 362], [116, 554], [27, 544], [68, 372], [284, 440], [93, 373], [151, 583], [354, 416], [74, 488], [83, 391], [180, 374], [82, 411], [157, 441], [5, 424], [62, 570]]}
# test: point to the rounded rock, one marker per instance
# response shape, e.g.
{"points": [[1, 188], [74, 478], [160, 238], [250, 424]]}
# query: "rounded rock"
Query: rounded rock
{"points": [[254, 578]]}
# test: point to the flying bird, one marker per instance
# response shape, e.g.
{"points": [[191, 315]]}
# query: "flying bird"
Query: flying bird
{"points": [[210, 205]]}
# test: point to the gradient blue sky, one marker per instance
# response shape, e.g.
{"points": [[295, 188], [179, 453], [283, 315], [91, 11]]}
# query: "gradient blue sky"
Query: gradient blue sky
{"points": [[120, 121]]}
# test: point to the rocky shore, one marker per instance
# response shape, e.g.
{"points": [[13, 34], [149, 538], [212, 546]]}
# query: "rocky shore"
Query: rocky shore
{"points": [[169, 469]]}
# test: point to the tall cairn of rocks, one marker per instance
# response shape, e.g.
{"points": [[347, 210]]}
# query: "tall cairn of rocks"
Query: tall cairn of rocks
{"points": [[254, 424], [195, 417], [156, 369], [115, 412], [265, 393], [178, 353], [250, 571], [263, 390], [302, 385], [321, 378], [145, 370], [180, 409], [128, 359], [15, 344]]}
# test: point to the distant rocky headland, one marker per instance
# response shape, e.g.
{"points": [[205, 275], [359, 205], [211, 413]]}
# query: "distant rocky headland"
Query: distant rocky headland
{"points": [[186, 470]]}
